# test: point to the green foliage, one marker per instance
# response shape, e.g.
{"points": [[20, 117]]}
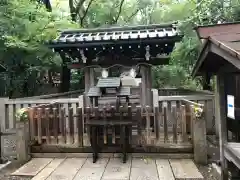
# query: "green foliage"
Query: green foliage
{"points": [[26, 25], [25, 28]]}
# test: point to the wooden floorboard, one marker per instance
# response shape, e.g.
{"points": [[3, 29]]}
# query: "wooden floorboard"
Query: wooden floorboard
{"points": [[185, 169], [42, 175], [33, 167], [110, 169], [164, 170], [68, 169]]}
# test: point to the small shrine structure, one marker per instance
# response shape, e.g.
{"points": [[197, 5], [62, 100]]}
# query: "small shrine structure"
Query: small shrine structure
{"points": [[136, 47]]}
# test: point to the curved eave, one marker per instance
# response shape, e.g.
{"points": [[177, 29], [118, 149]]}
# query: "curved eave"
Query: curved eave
{"points": [[122, 28], [84, 44]]}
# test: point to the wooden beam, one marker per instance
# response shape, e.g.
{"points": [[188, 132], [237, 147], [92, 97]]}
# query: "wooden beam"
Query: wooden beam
{"points": [[222, 123], [128, 62], [225, 54]]}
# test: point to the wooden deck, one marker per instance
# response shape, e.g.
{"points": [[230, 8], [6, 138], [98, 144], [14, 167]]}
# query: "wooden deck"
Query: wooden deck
{"points": [[109, 169]]}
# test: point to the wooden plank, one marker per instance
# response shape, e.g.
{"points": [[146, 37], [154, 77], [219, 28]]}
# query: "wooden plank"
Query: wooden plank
{"points": [[164, 170], [187, 97], [165, 124], [75, 124], [183, 123], [143, 169], [33, 167], [148, 127], [117, 170], [48, 169], [67, 169], [11, 116], [89, 174], [113, 128], [105, 127], [39, 125], [55, 125], [70, 126], [32, 123], [156, 122], [174, 122], [62, 125], [47, 121], [185, 169], [222, 124], [80, 126], [44, 101]]}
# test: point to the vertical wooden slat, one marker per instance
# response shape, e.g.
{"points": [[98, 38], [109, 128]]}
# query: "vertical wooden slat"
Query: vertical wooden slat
{"points": [[69, 127], [156, 122], [62, 125], [39, 125], [139, 120], [148, 128], [11, 116], [66, 123], [87, 111], [183, 123], [130, 128], [174, 115], [190, 111], [32, 122], [47, 121], [75, 124], [165, 125], [113, 128], [55, 125], [80, 126], [105, 127]]}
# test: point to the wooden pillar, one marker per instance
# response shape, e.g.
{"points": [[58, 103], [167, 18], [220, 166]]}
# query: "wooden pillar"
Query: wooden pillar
{"points": [[87, 84], [146, 85], [222, 123], [91, 77], [217, 110]]}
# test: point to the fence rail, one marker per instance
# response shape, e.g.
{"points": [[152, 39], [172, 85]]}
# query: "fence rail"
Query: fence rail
{"points": [[165, 125]]}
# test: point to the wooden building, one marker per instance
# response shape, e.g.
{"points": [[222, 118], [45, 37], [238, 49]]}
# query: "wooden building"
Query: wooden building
{"points": [[137, 47], [220, 57]]}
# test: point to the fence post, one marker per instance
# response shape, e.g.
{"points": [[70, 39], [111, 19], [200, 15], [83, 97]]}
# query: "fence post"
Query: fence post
{"points": [[2, 125], [22, 141], [199, 137]]}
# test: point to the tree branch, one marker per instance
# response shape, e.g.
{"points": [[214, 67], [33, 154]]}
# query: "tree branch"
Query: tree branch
{"points": [[85, 13], [119, 12], [132, 15], [79, 5]]}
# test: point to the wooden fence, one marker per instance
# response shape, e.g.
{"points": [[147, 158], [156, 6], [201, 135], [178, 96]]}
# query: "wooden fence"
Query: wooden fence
{"points": [[62, 126]]}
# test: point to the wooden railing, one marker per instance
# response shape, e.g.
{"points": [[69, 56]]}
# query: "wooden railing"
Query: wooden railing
{"points": [[155, 127], [9, 107]]}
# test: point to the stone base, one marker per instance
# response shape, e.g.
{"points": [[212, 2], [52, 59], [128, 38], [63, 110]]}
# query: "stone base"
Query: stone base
{"points": [[8, 145]]}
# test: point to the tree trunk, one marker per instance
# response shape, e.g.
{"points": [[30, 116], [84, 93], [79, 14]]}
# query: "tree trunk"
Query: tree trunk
{"points": [[65, 79]]}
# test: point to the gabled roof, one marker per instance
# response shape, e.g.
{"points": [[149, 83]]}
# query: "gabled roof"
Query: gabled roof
{"points": [[224, 42]]}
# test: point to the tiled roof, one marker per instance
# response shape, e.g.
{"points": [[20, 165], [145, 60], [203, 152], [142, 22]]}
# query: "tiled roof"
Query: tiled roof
{"points": [[94, 92], [108, 82], [120, 33], [124, 91]]}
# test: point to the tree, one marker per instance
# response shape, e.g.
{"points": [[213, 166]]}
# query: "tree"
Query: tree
{"points": [[23, 51]]}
